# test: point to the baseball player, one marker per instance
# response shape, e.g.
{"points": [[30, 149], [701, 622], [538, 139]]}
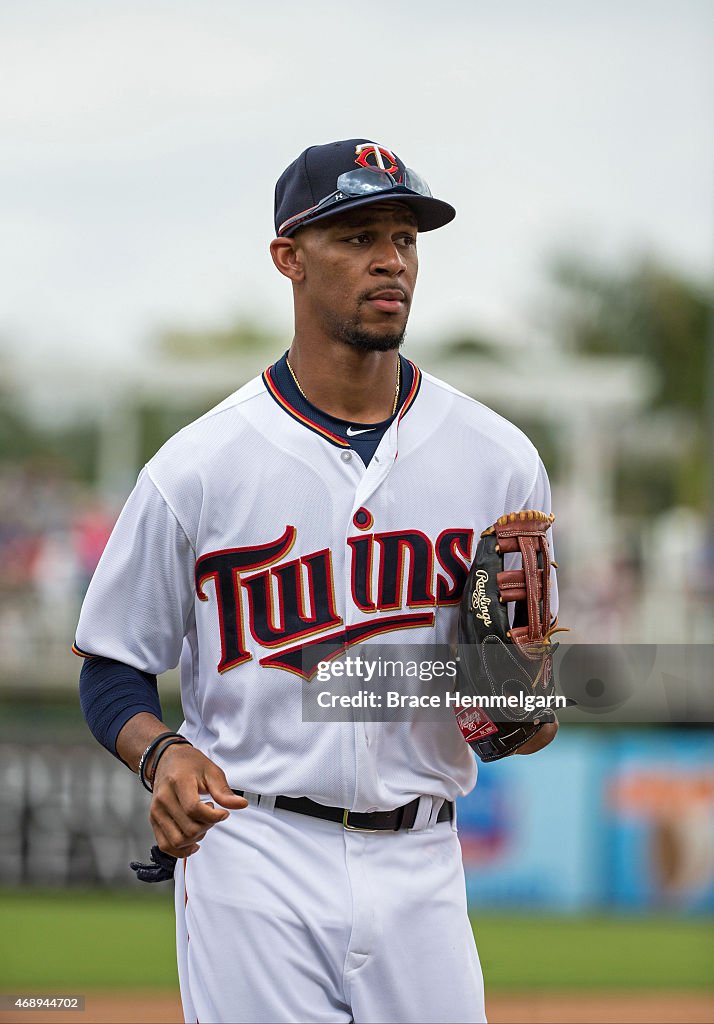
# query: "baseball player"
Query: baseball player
{"points": [[334, 501]]}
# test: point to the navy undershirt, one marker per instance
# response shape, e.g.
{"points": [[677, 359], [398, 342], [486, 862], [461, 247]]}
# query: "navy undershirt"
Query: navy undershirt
{"points": [[110, 692], [365, 444]]}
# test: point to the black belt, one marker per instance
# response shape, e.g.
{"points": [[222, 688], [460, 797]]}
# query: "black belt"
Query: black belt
{"points": [[359, 821]]}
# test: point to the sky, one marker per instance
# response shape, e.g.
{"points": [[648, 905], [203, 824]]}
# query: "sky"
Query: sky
{"points": [[142, 140]]}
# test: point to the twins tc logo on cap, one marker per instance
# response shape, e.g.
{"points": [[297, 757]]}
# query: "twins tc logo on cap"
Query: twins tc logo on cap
{"points": [[381, 157]]}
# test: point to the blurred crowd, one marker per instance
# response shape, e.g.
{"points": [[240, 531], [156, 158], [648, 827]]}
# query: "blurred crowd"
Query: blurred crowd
{"points": [[52, 533]]}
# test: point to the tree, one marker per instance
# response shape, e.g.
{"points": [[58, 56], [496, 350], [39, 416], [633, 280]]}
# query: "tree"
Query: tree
{"points": [[659, 314]]}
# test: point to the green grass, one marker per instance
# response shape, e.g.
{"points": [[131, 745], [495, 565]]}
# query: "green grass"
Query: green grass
{"points": [[595, 953], [90, 940], [87, 940]]}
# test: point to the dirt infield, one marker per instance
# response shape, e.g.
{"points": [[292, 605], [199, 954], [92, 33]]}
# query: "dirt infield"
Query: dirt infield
{"points": [[598, 1008], [535, 1008]]}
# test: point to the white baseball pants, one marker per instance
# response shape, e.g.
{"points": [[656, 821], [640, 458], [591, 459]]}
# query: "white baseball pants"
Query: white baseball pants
{"points": [[281, 917]]}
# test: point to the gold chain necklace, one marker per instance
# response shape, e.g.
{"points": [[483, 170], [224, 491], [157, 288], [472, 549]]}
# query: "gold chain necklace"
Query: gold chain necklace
{"points": [[396, 389]]}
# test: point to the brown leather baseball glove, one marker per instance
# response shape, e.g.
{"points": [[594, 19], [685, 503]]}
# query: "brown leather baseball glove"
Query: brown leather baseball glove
{"points": [[507, 662]]}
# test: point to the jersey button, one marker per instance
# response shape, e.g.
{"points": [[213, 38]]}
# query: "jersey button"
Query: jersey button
{"points": [[346, 456]]}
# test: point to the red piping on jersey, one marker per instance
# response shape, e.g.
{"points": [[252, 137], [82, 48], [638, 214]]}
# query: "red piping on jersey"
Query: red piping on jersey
{"points": [[328, 435], [80, 653], [409, 400], [335, 439]]}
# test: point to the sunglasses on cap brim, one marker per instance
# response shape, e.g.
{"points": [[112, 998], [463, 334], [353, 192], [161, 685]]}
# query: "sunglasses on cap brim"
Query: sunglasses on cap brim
{"points": [[360, 183]]}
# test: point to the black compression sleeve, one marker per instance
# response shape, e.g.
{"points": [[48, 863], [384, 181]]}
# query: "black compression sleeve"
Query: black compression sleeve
{"points": [[110, 693]]}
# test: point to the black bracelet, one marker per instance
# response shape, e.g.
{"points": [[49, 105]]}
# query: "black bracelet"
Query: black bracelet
{"points": [[147, 754], [161, 752]]}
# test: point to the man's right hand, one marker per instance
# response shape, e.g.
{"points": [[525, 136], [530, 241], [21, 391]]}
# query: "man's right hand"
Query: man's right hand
{"points": [[178, 815]]}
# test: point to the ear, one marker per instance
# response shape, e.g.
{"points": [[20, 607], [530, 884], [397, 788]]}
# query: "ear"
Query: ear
{"points": [[288, 258]]}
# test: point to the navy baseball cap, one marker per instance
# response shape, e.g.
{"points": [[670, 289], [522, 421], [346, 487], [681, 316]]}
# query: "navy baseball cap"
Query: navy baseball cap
{"points": [[325, 180]]}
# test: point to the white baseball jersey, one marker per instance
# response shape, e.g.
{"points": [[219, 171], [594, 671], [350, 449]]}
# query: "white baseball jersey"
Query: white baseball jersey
{"points": [[255, 535]]}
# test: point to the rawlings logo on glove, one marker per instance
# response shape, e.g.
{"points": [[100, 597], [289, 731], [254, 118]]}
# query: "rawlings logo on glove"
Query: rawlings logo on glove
{"points": [[479, 601]]}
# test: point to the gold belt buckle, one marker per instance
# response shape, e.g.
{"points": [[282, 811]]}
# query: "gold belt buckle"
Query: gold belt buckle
{"points": [[354, 828]]}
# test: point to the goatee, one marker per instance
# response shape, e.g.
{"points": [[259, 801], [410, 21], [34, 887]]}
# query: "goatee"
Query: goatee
{"points": [[350, 333]]}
